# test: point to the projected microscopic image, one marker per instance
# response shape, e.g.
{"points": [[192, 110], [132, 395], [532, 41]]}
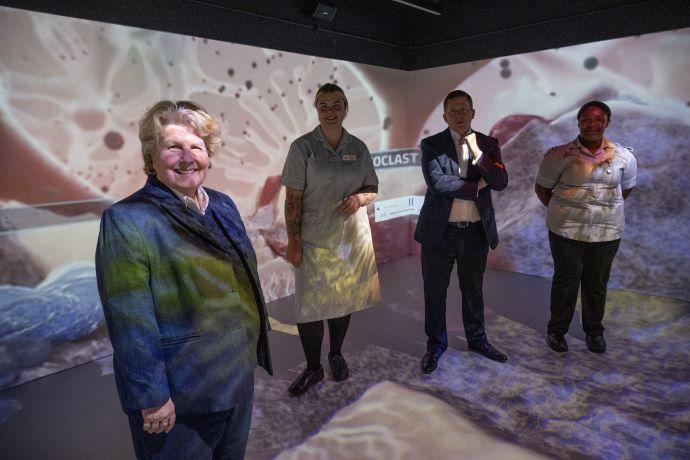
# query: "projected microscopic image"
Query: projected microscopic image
{"points": [[103, 77], [72, 93]]}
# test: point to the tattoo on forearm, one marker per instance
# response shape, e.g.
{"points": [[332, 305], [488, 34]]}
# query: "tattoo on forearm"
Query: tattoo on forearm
{"points": [[293, 212]]}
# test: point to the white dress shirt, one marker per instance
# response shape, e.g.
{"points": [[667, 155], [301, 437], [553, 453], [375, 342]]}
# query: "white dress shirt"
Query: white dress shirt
{"points": [[463, 210], [190, 203]]}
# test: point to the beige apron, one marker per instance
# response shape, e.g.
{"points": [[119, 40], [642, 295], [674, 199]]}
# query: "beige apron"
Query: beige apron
{"points": [[338, 273]]}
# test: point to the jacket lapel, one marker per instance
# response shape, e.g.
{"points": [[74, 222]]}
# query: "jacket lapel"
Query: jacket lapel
{"points": [[229, 220], [175, 208], [447, 145]]}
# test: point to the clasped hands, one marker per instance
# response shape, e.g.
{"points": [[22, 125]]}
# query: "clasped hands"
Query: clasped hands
{"points": [[351, 204], [159, 419]]}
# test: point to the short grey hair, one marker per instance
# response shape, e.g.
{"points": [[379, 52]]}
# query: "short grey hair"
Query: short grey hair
{"points": [[184, 113]]}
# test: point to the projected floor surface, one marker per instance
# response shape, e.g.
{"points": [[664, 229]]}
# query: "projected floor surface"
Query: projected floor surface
{"points": [[632, 402]]}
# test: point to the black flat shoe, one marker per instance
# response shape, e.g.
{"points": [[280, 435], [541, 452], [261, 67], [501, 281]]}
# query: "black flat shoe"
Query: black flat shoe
{"points": [[489, 351], [305, 380], [339, 368], [556, 342], [596, 343], [429, 362]]}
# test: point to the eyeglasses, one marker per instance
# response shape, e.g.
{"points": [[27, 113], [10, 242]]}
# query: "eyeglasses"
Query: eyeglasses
{"points": [[458, 112]]}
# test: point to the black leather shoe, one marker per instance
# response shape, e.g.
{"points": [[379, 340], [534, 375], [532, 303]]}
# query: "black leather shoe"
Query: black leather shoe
{"points": [[556, 342], [339, 368], [429, 362], [596, 343], [489, 351], [305, 380]]}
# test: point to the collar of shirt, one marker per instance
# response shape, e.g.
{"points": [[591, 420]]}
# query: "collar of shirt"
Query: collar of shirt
{"points": [[603, 148], [457, 136], [190, 203], [347, 137]]}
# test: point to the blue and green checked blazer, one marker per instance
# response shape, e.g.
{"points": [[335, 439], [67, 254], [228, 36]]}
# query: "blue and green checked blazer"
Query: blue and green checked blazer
{"points": [[182, 301]]}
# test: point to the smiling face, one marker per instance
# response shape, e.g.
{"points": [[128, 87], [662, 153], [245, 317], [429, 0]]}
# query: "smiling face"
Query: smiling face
{"points": [[331, 109], [592, 124], [182, 161], [459, 114]]}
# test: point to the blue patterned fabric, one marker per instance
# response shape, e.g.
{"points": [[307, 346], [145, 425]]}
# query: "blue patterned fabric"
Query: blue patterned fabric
{"points": [[182, 301]]}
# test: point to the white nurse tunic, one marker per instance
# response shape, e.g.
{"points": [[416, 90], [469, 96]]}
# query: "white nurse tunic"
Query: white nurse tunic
{"points": [[338, 273]]}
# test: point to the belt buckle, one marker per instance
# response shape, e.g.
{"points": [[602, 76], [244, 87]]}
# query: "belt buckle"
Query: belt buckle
{"points": [[460, 224]]}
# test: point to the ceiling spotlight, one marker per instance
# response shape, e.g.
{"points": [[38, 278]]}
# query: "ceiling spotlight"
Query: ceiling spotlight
{"points": [[324, 12]]}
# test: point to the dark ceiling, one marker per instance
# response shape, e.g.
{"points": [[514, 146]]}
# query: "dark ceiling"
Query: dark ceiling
{"points": [[385, 32]]}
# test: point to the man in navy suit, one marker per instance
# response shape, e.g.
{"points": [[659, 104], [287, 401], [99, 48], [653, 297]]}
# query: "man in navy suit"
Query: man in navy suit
{"points": [[457, 224]]}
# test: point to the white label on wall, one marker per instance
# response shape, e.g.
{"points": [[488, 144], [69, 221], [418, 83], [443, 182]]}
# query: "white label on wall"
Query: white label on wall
{"points": [[397, 207]]}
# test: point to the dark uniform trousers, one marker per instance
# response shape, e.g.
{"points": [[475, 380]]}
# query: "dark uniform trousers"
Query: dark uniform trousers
{"points": [[585, 265]]}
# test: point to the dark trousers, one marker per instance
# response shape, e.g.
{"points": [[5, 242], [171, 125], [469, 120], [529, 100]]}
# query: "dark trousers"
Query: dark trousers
{"points": [[217, 435], [469, 248], [579, 264], [311, 336]]}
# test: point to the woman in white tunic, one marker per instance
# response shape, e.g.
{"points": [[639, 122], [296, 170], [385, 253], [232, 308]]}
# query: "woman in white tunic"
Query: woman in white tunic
{"points": [[584, 183], [330, 179]]}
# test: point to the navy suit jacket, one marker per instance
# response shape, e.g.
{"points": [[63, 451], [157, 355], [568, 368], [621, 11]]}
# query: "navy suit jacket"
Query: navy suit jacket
{"points": [[440, 169], [179, 324]]}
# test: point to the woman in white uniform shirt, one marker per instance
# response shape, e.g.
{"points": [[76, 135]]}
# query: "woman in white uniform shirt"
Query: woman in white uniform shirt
{"points": [[330, 179], [584, 184]]}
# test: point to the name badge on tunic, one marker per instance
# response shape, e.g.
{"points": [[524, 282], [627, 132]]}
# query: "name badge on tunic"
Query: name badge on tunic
{"points": [[349, 157]]}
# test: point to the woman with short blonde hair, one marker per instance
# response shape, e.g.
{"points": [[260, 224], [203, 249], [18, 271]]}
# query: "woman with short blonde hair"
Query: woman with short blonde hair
{"points": [[179, 286]]}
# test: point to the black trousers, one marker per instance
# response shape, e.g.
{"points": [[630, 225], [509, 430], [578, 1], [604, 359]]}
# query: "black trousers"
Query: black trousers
{"points": [[468, 247], [212, 436], [579, 265]]}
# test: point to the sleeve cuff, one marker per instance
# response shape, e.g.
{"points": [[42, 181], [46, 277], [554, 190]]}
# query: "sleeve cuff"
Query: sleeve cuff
{"points": [[546, 183], [292, 183], [627, 185]]}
